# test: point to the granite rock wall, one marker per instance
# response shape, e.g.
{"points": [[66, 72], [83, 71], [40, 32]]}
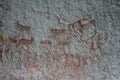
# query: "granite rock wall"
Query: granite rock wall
{"points": [[59, 40]]}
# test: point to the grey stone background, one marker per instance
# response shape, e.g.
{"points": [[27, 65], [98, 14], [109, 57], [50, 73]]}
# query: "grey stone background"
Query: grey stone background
{"points": [[42, 16]]}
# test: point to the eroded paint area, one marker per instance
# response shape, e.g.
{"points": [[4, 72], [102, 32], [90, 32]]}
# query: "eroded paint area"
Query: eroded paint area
{"points": [[55, 62]]}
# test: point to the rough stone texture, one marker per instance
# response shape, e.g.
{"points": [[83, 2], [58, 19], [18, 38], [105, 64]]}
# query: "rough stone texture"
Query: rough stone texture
{"points": [[59, 39]]}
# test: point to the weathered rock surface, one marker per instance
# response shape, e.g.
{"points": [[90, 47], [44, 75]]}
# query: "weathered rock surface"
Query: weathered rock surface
{"points": [[59, 40]]}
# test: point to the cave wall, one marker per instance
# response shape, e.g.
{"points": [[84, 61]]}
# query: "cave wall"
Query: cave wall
{"points": [[59, 40]]}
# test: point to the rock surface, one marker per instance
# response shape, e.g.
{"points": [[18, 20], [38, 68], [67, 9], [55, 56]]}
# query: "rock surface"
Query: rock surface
{"points": [[59, 40]]}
